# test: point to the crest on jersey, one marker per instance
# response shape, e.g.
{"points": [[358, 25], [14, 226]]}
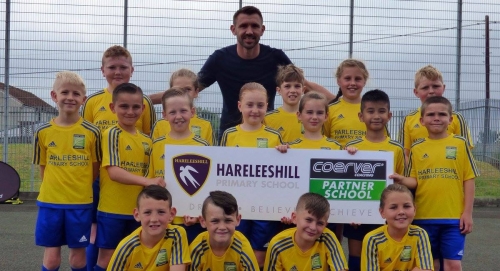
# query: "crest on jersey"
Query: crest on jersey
{"points": [[191, 171], [230, 266], [316, 262], [405, 255]]}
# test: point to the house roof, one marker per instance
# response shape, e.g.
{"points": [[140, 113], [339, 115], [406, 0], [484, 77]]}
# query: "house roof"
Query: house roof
{"points": [[27, 98]]}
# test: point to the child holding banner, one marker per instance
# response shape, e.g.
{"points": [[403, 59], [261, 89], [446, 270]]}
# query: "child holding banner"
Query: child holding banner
{"points": [[312, 113], [252, 133], [125, 158], [117, 68], [290, 85], [375, 114], [398, 245], [185, 79], [178, 111], [221, 247], [442, 170], [309, 245]]}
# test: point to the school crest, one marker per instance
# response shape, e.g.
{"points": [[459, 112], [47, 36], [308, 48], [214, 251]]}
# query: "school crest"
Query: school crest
{"points": [[229, 266], [262, 143], [78, 142], [196, 130], [191, 171], [451, 152], [147, 148], [316, 262], [405, 255], [161, 258]]}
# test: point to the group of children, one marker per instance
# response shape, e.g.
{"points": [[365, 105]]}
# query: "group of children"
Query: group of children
{"points": [[135, 225]]}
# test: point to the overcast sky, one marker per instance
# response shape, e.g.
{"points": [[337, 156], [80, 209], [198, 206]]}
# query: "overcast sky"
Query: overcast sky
{"points": [[47, 36]]}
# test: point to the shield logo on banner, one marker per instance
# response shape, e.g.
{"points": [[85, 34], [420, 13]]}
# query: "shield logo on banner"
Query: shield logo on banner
{"points": [[191, 171]]}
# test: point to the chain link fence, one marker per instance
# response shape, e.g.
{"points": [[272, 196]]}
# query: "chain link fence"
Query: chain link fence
{"points": [[394, 39]]}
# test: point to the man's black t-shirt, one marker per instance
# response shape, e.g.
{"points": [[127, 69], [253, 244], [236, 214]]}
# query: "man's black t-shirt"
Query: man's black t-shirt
{"points": [[232, 72]]}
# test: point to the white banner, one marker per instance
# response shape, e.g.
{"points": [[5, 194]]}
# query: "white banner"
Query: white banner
{"points": [[267, 183]]}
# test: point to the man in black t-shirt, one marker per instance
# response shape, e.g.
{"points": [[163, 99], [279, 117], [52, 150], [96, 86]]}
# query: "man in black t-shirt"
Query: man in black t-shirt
{"points": [[246, 61]]}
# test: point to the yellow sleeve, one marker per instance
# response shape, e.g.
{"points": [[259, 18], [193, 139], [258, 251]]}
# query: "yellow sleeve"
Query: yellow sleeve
{"points": [[87, 111], [276, 262], [399, 159], [210, 135], [423, 258], [39, 151], [120, 259], [336, 259], [470, 170], [410, 171], [180, 248], [462, 129], [404, 135], [155, 132], [369, 256], [110, 152], [148, 117]]}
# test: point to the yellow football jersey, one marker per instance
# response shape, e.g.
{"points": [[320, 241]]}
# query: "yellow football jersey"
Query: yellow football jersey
{"points": [[239, 255], [286, 123], [157, 164], [381, 252], [324, 144], [412, 130], [265, 137], [200, 127], [131, 254], [130, 152], [96, 110], [343, 124], [284, 254], [364, 144], [440, 167], [68, 154]]}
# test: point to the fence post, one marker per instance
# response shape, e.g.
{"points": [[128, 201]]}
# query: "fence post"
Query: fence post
{"points": [[351, 28], [487, 84], [6, 96], [459, 55], [125, 23]]}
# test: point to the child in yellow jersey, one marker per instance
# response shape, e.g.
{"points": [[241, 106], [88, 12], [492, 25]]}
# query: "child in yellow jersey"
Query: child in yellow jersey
{"points": [[221, 247], [312, 113], [178, 111], [186, 79], [117, 68], [428, 83], [67, 149], [375, 114], [253, 134], [398, 245], [442, 169], [310, 245], [155, 245], [126, 154], [290, 80], [343, 124]]}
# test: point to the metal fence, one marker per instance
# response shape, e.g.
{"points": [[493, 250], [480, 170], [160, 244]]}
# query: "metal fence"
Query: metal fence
{"points": [[394, 39]]}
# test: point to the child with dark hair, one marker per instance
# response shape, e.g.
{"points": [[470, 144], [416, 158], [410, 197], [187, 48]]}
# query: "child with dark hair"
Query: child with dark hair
{"points": [[310, 245], [221, 247]]}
